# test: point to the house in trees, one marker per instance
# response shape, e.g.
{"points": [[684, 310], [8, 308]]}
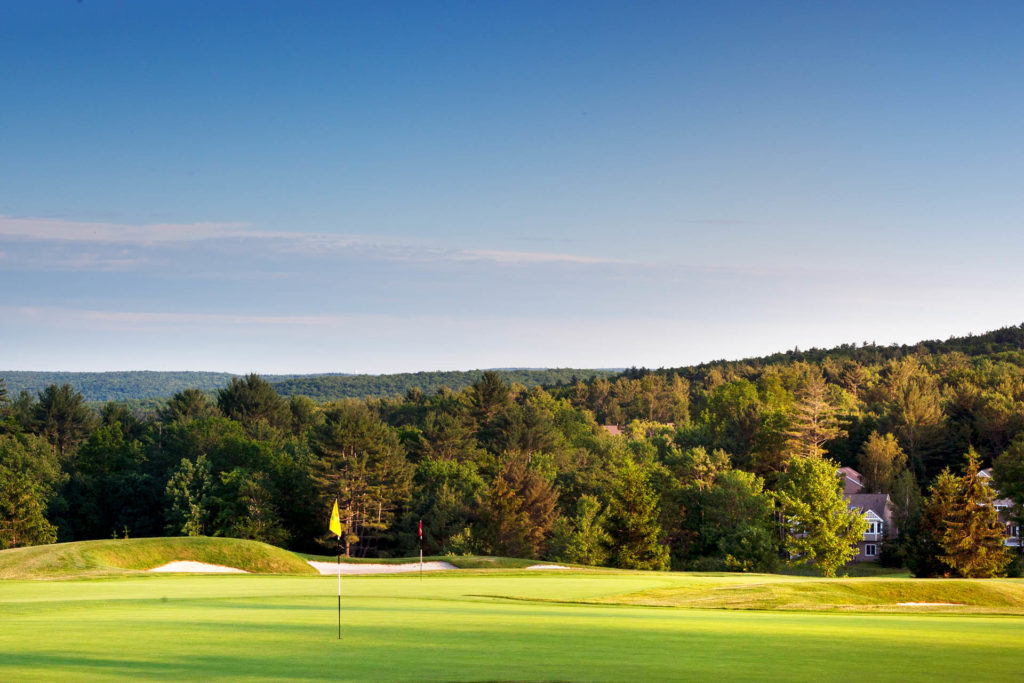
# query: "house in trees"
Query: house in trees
{"points": [[1005, 507], [877, 509]]}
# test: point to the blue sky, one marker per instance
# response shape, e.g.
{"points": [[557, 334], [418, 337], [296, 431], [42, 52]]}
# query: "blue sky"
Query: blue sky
{"points": [[381, 186]]}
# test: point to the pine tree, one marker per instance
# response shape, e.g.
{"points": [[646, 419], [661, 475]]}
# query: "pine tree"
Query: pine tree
{"points": [[518, 512], [814, 422], [925, 556], [633, 522], [972, 535]]}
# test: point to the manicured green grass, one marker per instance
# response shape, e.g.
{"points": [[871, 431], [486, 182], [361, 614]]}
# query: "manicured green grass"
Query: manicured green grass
{"points": [[479, 625]]}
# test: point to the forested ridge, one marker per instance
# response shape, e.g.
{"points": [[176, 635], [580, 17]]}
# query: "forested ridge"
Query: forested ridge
{"points": [[335, 387], [721, 466], [143, 386]]}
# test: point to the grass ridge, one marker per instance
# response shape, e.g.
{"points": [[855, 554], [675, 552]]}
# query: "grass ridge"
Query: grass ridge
{"points": [[127, 556]]}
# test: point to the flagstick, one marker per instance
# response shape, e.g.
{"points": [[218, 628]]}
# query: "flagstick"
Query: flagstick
{"points": [[339, 587]]}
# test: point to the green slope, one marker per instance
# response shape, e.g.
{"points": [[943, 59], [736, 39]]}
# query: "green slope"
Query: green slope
{"points": [[97, 558], [773, 592]]}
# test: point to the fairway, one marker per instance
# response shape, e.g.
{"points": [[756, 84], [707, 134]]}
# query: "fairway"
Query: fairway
{"points": [[478, 625]]}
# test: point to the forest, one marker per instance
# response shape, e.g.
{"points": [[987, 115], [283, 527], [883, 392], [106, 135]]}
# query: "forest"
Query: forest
{"points": [[146, 391], [723, 466]]}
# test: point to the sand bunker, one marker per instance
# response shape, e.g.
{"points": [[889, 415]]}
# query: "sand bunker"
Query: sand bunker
{"points": [[548, 566], [350, 568], [929, 604], [203, 567]]}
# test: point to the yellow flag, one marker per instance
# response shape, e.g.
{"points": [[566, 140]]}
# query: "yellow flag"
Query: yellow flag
{"points": [[335, 526]]}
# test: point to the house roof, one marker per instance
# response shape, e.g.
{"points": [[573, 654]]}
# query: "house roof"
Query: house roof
{"points": [[612, 429], [875, 502], [851, 473], [852, 480]]}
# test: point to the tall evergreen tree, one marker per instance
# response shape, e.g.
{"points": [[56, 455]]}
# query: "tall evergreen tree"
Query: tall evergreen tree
{"points": [[62, 417], [926, 551], [252, 400], [633, 522], [363, 465], [190, 404], [814, 422], [518, 511], [972, 536]]}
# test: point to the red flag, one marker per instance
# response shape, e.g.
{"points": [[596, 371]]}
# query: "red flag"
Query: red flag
{"points": [[421, 529]]}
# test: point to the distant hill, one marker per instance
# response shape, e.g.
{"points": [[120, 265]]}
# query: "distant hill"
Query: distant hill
{"points": [[334, 387], [117, 386], [127, 385], [143, 385], [1006, 340]]}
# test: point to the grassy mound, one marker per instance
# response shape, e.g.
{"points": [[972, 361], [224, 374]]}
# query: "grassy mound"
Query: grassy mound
{"points": [[773, 592], [120, 556]]}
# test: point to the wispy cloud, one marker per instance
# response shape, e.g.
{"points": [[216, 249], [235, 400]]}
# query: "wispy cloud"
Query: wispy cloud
{"points": [[236, 234], [530, 257], [112, 233], [122, 318]]}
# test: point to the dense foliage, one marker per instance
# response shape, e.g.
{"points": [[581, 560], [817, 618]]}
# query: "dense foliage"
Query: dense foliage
{"points": [[148, 389], [721, 466]]}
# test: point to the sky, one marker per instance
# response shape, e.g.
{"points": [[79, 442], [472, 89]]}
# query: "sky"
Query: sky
{"points": [[329, 186]]}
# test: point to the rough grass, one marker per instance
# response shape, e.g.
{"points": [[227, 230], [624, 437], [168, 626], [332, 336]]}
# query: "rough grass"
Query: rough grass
{"points": [[122, 556], [479, 625], [772, 592]]}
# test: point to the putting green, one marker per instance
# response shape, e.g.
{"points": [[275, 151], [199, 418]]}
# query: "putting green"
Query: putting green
{"points": [[486, 625]]}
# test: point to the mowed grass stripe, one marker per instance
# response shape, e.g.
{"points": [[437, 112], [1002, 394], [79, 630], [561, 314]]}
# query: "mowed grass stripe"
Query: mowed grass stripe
{"points": [[400, 628]]}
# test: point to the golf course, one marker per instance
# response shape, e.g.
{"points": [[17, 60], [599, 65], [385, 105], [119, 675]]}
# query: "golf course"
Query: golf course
{"points": [[87, 611]]}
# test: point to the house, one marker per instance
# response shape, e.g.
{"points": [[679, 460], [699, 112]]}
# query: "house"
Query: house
{"points": [[877, 508], [1005, 508], [613, 430]]}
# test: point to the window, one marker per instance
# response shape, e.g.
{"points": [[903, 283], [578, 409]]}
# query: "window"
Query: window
{"points": [[870, 550]]}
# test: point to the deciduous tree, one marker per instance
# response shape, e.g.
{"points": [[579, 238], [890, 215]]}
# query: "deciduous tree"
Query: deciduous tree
{"points": [[823, 529]]}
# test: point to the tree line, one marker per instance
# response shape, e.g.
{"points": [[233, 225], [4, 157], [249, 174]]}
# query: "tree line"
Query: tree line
{"points": [[144, 390], [717, 468]]}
